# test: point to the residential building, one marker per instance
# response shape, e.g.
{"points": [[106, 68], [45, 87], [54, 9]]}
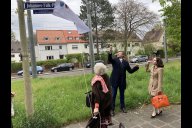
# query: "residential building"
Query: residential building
{"points": [[55, 44], [155, 38], [134, 43], [15, 51]]}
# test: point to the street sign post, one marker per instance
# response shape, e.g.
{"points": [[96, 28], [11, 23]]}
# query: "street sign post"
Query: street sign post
{"points": [[39, 5]]}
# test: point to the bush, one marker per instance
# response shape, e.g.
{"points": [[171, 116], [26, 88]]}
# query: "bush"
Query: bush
{"points": [[104, 57], [16, 67]]}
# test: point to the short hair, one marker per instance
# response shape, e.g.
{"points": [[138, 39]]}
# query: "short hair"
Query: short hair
{"points": [[100, 69], [122, 52], [159, 62]]}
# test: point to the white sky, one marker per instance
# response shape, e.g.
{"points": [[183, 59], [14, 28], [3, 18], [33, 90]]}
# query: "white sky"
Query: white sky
{"points": [[49, 21]]}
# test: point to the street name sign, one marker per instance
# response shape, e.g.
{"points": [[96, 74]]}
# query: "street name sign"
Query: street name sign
{"points": [[39, 5]]}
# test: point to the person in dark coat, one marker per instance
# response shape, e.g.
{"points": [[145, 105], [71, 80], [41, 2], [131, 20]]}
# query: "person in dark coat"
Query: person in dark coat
{"points": [[102, 95], [118, 77]]}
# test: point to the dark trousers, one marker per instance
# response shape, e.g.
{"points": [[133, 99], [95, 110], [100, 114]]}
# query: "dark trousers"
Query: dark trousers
{"points": [[114, 93]]}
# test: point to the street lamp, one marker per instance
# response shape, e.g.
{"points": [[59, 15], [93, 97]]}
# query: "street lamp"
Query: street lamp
{"points": [[164, 39]]}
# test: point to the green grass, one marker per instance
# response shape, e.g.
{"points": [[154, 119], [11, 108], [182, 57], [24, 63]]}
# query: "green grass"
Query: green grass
{"points": [[60, 101]]}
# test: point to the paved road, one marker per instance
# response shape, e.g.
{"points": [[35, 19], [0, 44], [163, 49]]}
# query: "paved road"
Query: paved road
{"points": [[76, 71], [140, 118]]}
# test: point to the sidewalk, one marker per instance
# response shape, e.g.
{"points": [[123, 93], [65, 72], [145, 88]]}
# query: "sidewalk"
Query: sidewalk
{"points": [[141, 118]]}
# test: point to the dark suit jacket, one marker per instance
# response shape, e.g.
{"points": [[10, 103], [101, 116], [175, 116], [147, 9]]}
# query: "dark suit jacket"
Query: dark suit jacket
{"points": [[118, 75]]}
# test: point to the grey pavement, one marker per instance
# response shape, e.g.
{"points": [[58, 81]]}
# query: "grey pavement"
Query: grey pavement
{"points": [[141, 118]]}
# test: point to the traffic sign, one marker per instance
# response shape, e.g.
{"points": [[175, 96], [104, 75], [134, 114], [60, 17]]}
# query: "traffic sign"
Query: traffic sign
{"points": [[39, 5], [44, 11]]}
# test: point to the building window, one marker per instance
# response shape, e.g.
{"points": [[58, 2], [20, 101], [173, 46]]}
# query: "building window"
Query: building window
{"points": [[12, 56], [136, 44], [74, 46], [85, 45], [12, 50], [50, 57], [95, 46], [57, 38], [48, 47], [61, 56], [70, 38], [19, 49], [76, 38], [60, 47], [69, 32], [46, 38]]}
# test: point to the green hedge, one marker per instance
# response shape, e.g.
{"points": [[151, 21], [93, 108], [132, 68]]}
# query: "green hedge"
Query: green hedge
{"points": [[15, 67]]}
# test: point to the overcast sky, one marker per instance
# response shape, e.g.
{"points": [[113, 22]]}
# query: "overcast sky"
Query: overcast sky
{"points": [[49, 21]]}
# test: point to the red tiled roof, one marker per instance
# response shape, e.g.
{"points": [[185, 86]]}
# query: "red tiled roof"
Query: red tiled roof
{"points": [[53, 34]]}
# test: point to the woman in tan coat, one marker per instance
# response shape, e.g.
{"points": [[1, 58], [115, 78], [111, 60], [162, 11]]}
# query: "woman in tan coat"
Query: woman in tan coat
{"points": [[156, 80]]}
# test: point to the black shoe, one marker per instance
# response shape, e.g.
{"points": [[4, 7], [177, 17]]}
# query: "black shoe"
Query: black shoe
{"points": [[112, 113], [123, 110], [160, 112]]}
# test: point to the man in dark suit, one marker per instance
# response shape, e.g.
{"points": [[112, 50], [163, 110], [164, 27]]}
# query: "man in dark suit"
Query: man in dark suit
{"points": [[118, 77]]}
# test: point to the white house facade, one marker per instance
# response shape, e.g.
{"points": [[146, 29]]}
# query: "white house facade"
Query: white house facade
{"points": [[55, 44], [15, 57]]}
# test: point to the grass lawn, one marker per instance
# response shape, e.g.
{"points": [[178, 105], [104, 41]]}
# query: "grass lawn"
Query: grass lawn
{"points": [[60, 101]]}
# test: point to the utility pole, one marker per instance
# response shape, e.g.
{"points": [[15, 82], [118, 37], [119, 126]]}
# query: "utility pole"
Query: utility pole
{"points": [[31, 43], [90, 36], [25, 62], [164, 41]]}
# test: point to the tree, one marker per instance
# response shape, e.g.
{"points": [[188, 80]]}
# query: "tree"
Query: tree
{"points": [[133, 17], [12, 36], [149, 50], [101, 14], [172, 13]]}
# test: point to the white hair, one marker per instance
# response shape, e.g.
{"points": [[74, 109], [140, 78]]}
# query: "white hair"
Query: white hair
{"points": [[100, 69]]}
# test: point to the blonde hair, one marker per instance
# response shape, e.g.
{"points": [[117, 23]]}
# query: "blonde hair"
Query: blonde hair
{"points": [[100, 69]]}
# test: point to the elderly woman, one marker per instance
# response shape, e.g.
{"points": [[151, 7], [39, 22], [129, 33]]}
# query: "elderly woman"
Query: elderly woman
{"points": [[102, 94]]}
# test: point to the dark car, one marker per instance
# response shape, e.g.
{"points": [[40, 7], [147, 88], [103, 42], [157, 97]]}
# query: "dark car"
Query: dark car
{"points": [[39, 71], [63, 67], [88, 64]]}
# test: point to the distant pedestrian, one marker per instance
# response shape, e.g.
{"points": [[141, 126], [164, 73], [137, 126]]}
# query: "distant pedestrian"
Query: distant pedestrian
{"points": [[102, 95], [156, 80], [118, 77]]}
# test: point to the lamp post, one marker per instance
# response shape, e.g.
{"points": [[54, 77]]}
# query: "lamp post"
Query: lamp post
{"points": [[90, 36], [31, 43], [164, 40]]}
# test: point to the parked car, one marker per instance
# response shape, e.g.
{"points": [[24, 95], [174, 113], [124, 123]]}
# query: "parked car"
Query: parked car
{"points": [[178, 54], [39, 71], [88, 64], [140, 58], [63, 67]]}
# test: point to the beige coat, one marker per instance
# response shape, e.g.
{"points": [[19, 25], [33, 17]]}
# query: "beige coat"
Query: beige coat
{"points": [[156, 80]]}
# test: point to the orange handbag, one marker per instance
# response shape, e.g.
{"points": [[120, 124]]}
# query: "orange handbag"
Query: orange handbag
{"points": [[160, 101]]}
